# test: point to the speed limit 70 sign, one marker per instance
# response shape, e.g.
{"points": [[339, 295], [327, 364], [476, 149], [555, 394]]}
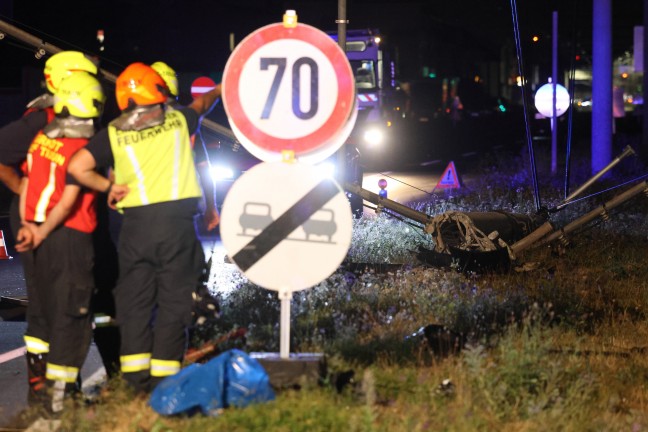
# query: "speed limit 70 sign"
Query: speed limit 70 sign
{"points": [[289, 89]]}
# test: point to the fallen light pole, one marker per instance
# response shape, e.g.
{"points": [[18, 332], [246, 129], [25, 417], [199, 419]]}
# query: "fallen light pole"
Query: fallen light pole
{"points": [[548, 228], [471, 231], [626, 152], [474, 240], [601, 211], [489, 240], [381, 202]]}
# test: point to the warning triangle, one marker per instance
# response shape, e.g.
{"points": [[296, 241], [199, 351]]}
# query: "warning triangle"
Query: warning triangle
{"points": [[3, 248], [449, 178]]}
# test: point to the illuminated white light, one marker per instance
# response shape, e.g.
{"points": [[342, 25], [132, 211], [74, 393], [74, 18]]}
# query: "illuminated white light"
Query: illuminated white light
{"points": [[219, 172], [326, 168], [544, 100], [373, 137]]}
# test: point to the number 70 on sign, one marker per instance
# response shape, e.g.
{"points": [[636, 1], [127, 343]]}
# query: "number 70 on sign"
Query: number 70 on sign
{"points": [[288, 89]]}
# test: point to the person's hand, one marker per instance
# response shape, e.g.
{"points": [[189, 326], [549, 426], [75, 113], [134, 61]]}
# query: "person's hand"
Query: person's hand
{"points": [[25, 239], [211, 218], [116, 194], [37, 232]]}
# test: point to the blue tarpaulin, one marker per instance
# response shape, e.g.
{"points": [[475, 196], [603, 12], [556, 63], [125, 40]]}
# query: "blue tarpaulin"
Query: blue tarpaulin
{"points": [[231, 379]]}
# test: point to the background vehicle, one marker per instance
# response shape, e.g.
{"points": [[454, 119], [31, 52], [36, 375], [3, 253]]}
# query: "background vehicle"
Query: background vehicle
{"points": [[374, 74], [371, 142]]}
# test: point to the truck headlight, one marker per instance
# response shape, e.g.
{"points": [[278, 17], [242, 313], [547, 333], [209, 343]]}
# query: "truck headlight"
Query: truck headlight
{"points": [[374, 137]]}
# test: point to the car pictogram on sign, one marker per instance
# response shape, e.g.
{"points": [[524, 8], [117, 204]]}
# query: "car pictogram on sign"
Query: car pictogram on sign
{"points": [[256, 216], [322, 223]]}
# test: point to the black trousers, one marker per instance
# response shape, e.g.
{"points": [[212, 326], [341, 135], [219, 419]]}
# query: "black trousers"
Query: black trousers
{"points": [[160, 264], [105, 279], [59, 297]]}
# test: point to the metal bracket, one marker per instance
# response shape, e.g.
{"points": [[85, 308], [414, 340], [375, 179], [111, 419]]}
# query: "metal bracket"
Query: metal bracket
{"points": [[40, 52]]}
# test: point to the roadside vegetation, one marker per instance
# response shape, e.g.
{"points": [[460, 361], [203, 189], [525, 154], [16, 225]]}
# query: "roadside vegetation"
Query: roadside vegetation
{"points": [[559, 342]]}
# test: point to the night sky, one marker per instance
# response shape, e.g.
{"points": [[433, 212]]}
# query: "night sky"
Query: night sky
{"points": [[193, 35]]}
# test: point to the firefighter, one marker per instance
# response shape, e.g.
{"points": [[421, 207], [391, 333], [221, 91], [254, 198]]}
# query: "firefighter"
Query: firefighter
{"points": [[15, 140], [58, 219], [211, 218], [16, 137], [205, 307], [156, 187]]}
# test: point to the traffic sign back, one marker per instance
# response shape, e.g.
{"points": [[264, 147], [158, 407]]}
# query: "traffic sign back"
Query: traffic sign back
{"points": [[201, 85]]}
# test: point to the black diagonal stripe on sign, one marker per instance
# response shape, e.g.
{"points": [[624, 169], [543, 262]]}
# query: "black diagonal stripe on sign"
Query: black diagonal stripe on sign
{"points": [[278, 230]]}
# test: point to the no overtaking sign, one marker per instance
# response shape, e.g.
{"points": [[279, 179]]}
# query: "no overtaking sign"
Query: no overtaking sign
{"points": [[289, 240]]}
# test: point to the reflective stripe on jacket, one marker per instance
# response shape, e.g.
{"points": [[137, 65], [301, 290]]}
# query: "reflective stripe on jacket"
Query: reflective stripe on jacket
{"points": [[156, 163]]}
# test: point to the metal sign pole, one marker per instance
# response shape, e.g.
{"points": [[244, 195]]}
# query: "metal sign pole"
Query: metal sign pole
{"points": [[284, 324], [554, 83], [341, 29]]}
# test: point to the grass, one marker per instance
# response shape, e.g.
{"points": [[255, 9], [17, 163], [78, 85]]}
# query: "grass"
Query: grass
{"points": [[560, 347]]}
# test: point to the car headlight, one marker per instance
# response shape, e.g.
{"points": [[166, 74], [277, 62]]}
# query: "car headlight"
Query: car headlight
{"points": [[374, 136], [220, 172], [326, 168]]}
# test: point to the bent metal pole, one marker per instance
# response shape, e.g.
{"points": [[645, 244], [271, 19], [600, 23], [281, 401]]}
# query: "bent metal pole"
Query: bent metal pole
{"points": [[626, 152], [600, 211], [392, 205], [546, 233]]}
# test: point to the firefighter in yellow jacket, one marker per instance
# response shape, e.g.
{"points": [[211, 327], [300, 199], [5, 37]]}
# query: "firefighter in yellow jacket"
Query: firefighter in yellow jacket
{"points": [[156, 187], [211, 217]]}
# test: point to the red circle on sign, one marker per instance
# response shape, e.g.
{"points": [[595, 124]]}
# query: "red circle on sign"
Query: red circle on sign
{"points": [[201, 85], [344, 103]]}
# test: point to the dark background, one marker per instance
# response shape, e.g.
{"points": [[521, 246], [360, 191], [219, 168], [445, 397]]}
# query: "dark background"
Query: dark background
{"points": [[193, 35], [450, 37]]}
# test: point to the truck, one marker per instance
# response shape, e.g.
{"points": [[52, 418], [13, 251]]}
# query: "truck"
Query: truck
{"points": [[369, 142], [374, 74]]}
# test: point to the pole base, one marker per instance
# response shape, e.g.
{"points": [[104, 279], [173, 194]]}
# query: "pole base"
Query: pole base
{"points": [[299, 370]]}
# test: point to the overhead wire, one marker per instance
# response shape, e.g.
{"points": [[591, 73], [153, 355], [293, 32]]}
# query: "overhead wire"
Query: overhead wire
{"points": [[523, 84]]}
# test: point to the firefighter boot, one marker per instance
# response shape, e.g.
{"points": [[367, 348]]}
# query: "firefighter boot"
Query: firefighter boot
{"points": [[36, 367], [59, 392]]}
